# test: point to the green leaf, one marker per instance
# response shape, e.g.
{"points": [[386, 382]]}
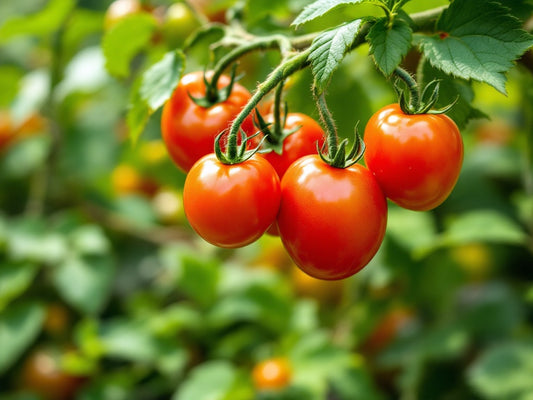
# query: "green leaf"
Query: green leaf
{"points": [[477, 40], [154, 89], [389, 44], [19, 326], [129, 340], [85, 282], [199, 278], [42, 23], [450, 90], [322, 7], [212, 380], [328, 50], [503, 371], [10, 78], [125, 40], [160, 80], [484, 226], [89, 240], [14, 280]]}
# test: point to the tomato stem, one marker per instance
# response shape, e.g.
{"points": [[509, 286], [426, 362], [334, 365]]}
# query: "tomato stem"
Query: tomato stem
{"points": [[329, 123], [412, 85], [279, 123]]}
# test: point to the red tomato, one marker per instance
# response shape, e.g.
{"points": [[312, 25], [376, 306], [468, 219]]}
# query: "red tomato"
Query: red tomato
{"points": [[189, 130], [298, 144], [272, 374], [331, 220], [231, 205], [416, 159]]}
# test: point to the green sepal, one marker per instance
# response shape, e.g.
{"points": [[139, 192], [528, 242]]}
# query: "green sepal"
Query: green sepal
{"points": [[424, 103], [273, 141], [213, 95], [236, 153], [339, 158]]}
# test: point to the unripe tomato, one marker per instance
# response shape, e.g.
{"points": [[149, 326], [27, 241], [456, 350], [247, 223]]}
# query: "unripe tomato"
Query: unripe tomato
{"points": [[298, 144], [179, 22], [231, 205], [189, 130], [127, 180], [42, 375], [119, 9], [272, 374], [331, 220], [416, 159]]}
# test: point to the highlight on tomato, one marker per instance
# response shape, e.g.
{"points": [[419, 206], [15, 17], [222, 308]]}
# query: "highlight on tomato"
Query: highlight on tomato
{"points": [[188, 128]]}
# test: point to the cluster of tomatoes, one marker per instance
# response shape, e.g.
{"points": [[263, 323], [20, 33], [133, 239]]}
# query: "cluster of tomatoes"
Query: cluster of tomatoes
{"points": [[331, 220]]}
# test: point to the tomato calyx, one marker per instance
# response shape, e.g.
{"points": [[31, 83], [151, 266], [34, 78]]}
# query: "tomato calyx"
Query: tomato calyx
{"points": [[412, 101], [235, 152], [333, 152], [213, 94], [273, 132]]}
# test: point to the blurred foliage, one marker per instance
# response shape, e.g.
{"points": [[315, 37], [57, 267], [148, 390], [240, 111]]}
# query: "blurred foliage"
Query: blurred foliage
{"points": [[106, 292]]}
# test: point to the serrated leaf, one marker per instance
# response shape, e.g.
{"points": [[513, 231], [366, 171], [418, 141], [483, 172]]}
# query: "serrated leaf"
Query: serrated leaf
{"points": [[45, 22], [322, 7], [329, 48], [389, 44], [450, 90], [160, 80], [477, 40], [19, 326], [125, 40], [85, 282]]}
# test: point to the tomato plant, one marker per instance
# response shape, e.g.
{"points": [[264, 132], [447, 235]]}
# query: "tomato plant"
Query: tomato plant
{"points": [[416, 159], [243, 196], [179, 22], [331, 220], [303, 141], [189, 129]]}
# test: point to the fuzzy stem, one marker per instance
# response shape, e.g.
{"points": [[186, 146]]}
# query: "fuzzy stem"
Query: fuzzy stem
{"points": [[329, 123], [414, 100]]}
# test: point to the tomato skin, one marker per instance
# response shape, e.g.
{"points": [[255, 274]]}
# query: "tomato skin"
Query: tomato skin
{"points": [[272, 374], [231, 205], [189, 130], [415, 158], [331, 220], [298, 144]]}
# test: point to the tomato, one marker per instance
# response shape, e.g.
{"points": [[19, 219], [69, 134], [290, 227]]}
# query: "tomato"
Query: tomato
{"points": [[212, 9], [231, 205], [119, 9], [298, 144], [304, 285], [272, 374], [394, 324], [127, 180], [331, 220], [42, 375], [189, 130], [179, 22], [57, 320], [415, 158]]}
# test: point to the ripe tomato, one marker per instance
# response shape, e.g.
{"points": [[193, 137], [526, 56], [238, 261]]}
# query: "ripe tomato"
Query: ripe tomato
{"points": [[331, 220], [298, 144], [231, 205], [415, 158], [394, 323], [42, 375], [271, 374], [189, 130]]}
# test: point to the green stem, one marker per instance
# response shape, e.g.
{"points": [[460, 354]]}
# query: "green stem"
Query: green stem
{"points": [[279, 125], [414, 100], [258, 44], [282, 72], [329, 123]]}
